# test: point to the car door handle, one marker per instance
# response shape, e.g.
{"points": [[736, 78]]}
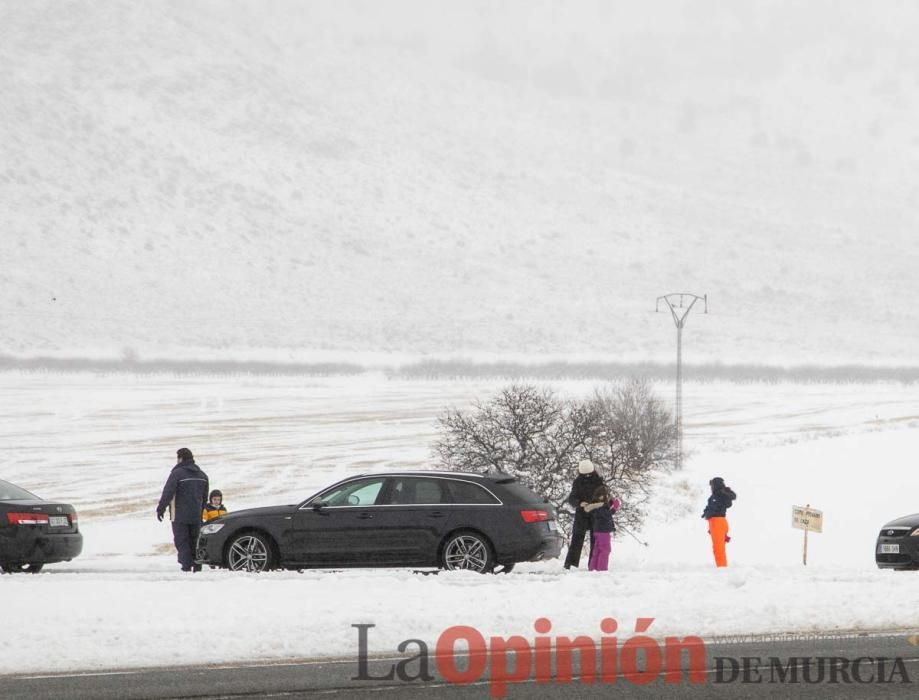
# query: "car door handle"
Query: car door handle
{"points": [[436, 514], [365, 516]]}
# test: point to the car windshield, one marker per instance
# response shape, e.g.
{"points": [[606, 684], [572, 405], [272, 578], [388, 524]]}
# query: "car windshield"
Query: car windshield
{"points": [[9, 492]]}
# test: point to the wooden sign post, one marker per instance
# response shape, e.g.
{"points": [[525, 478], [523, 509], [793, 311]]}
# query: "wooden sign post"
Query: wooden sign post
{"points": [[807, 519]]}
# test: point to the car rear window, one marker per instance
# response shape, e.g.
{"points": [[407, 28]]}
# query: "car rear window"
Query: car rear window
{"points": [[468, 493], [518, 493], [9, 492]]}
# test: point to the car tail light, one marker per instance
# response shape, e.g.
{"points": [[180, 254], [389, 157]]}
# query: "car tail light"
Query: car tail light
{"points": [[27, 518], [534, 516]]}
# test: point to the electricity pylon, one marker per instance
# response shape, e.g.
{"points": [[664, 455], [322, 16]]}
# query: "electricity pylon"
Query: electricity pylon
{"points": [[680, 304]]}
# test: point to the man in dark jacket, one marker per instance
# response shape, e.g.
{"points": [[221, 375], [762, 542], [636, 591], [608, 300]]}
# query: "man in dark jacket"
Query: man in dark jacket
{"points": [[716, 514], [582, 491], [185, 494]]}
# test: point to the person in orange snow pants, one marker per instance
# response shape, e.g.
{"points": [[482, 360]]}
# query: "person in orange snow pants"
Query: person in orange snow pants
{"points": [[718, 529], [715, 513]]}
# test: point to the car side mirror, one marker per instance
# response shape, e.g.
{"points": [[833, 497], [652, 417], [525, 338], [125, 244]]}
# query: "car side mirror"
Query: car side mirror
{"points": [[318, 505]]}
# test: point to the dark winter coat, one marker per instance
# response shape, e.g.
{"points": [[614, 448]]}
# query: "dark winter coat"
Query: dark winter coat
{"points": [[719, 502], [185, 493], [582, 490], [601, 515]]}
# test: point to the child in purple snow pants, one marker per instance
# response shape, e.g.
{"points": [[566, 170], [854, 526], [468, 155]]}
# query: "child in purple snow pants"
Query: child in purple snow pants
{"points": [[599, 555], [601, 509]]}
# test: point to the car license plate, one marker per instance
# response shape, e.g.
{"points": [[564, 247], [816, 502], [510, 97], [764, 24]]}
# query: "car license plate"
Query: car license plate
{"points": [[58, 521], [553, 527], [890, 549]]}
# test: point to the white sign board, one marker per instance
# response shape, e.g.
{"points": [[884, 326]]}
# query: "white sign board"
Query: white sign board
{"points": [[808, 519]]}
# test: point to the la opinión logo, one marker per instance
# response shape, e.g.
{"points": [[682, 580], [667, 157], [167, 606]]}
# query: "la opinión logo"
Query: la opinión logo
{"points": [[462, 655]]}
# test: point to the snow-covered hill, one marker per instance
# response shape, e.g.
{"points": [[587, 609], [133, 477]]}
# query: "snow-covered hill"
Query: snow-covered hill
{"points": [[285, 180]]}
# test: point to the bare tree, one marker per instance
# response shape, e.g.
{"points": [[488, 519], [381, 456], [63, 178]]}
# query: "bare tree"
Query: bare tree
{"points": [[534, 435], [524, 431], [633, 439]]}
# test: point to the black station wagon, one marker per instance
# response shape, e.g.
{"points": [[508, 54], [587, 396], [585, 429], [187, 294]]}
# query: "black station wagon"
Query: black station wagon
{"points": [[449, 520]]}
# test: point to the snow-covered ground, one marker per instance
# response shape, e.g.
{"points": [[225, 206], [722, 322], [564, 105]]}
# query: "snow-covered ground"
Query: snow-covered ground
{"points": [[106, 443]]}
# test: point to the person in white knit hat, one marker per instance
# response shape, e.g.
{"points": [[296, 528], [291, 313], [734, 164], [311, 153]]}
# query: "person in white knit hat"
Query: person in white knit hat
{"points": [[582, 490]]}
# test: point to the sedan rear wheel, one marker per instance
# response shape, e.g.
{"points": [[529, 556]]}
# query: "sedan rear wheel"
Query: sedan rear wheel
{"points": [[467, 551], [21, 568], [250, 551]]}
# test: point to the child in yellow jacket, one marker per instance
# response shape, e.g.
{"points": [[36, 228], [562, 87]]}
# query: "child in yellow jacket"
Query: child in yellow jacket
{"points": [[214, 507]]}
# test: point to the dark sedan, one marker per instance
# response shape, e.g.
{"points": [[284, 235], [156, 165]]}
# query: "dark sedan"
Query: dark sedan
{"points": [[424, 519], [898, 544], [35, 532]]}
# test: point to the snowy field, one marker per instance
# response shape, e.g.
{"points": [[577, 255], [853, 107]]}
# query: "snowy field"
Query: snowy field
{"points": [[390, 184], [106, 443]]}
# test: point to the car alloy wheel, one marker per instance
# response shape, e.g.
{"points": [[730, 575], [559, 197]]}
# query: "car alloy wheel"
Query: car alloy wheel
{"points": [[469, 552], [249, 553]]}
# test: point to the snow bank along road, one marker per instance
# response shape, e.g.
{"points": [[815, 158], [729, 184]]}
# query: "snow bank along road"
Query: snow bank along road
{"points": [[106, 443]]}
